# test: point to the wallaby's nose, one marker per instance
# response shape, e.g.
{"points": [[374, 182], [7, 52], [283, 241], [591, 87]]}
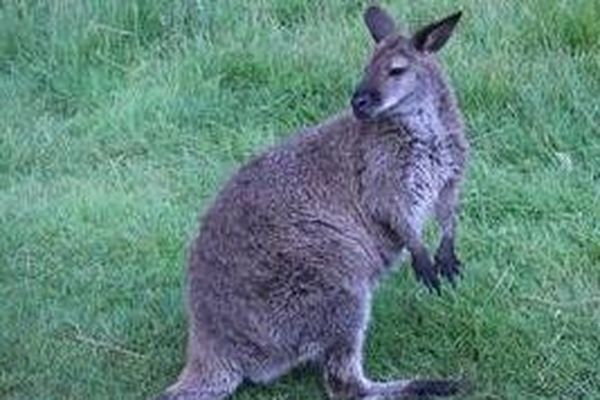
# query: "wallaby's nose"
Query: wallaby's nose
{"points": [[363, 103], [360, 101]]}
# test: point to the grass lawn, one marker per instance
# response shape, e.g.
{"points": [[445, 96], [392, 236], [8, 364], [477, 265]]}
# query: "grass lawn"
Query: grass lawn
{"points": [[119, 121]]}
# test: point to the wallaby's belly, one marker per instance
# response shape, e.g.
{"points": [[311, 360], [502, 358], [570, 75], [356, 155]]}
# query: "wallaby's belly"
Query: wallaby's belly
{"points": [[276, 297], [270, 270]]}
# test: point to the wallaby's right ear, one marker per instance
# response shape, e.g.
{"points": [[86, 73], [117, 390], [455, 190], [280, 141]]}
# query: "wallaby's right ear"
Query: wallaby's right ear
{"points": [[379, 22], [434, 36]]}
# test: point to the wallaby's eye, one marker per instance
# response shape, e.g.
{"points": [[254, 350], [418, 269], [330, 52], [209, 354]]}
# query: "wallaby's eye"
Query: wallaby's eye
{"points": [[397, 71]]}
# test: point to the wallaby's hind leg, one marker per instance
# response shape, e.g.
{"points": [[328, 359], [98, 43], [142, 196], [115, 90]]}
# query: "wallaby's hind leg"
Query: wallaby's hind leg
{"points": [[207, 381], [345, 380]]}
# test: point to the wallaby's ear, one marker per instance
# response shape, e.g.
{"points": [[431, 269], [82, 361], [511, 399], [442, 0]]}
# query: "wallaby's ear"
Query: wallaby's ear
{"points": [[433, 37], [379, 22]]}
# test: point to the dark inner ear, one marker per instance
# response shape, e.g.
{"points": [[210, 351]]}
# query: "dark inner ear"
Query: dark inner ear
{"points": [[433, 37], [379, 22]]}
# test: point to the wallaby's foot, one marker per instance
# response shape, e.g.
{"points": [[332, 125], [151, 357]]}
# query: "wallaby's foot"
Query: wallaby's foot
{"points": [[395, 390], [426, 271], [345, 380], [446, 261], [415, 389]]}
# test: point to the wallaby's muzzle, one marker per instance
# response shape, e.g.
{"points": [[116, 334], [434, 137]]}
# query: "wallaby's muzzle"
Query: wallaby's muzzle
{"points": [[365, 103]]}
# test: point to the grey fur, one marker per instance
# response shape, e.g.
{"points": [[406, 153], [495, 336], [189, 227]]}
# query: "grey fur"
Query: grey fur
{"points": [[290, 252]]}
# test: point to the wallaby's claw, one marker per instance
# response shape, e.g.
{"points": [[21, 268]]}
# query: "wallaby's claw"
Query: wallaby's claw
{"points": [[449, 266], [428, 274], [432, 282]]}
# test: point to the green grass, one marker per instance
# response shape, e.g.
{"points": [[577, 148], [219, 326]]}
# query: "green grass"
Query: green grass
{"points": [[119, 120]]}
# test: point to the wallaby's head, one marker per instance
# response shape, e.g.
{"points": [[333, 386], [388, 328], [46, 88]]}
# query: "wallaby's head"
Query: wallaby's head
{"points": [[399, 73]]}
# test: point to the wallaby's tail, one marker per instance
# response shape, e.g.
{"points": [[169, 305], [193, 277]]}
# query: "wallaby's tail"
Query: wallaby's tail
{"points": [[195, 393], [203, 381]]}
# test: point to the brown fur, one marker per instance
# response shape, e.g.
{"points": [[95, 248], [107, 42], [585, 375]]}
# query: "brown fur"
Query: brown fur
{"points": [[283, 268]]}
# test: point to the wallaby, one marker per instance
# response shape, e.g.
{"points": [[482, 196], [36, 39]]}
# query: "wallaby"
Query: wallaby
{"points": [[284, 267]]}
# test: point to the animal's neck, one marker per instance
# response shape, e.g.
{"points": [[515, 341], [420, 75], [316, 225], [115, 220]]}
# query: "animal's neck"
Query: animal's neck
{"points": [[423, 121]]}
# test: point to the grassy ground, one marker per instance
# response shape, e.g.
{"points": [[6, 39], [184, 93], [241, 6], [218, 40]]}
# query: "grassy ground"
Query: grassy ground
{"points": [[119, 120]]}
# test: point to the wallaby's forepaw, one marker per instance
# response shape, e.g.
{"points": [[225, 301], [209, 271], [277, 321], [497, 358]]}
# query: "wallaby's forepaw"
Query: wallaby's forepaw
{"points": [[426, 272], [448, 264]]}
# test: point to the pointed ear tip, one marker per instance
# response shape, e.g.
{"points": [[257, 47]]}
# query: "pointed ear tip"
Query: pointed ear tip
{"points": [[372, 9], [456, 16]]}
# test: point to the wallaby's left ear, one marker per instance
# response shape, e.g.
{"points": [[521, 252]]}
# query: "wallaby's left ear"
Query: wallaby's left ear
{"points": [[433, 37], [379, 22]]}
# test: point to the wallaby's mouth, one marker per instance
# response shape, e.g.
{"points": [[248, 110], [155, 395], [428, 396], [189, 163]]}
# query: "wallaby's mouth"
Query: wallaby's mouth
{"points": [[362, 115]]}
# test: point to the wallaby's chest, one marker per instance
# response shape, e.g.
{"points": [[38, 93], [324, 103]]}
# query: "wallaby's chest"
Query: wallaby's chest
{"points": [[407, 173], [430, 160], [426, 167]]}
